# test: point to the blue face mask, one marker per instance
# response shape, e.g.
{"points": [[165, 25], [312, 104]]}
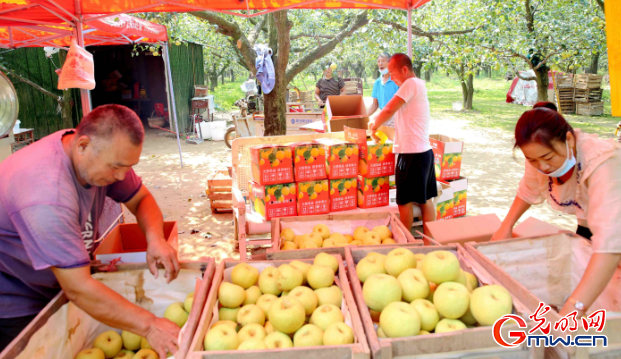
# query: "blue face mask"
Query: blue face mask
{"points": [[384, 71], [569, 163]]}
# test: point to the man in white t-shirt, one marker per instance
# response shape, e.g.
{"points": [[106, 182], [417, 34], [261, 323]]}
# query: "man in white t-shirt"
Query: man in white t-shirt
{"points": [[415, 174]]}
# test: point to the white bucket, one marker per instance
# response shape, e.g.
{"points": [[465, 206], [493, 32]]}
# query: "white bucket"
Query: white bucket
{"points": [[205, 130], [218, 129]]}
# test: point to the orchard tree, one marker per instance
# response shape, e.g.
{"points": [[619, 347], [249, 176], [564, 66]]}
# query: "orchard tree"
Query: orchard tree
{"points": [[550, 28], [297, 39]]}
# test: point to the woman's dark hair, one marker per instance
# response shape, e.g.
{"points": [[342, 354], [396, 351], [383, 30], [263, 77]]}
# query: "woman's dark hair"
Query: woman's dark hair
{"points": [[543, 124]]}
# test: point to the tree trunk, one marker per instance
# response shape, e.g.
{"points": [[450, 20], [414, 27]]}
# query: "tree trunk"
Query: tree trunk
{"points": [[417, 68], [541, 77], [594, 63], [470, 88], [428, 75], [275, 105], [275, 109], [232, 75], [222, 77]]}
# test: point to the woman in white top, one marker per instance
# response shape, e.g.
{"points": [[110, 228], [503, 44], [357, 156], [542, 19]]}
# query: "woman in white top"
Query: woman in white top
{"points": [[577, 173]]}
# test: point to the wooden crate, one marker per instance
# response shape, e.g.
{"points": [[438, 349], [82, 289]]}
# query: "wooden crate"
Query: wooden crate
{"points": [[219, 187], [590, 109], [588, 81], [307, 96], [467, 343], [400, 234], [205, 268], [547, 269], [588, 95], [358, 350], [563, 81]]}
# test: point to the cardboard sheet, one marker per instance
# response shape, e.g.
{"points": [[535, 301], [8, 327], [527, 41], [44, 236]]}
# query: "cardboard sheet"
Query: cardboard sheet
{"points": [[70, 329]]}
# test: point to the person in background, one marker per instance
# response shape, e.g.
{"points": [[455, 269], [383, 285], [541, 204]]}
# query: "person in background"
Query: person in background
{"points": [[576, 173], [52, 195], [415, 175], [384, 88], [328, 85]]}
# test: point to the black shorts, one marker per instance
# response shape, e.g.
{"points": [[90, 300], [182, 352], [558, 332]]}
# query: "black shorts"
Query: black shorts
{"points": [[415, 178]]}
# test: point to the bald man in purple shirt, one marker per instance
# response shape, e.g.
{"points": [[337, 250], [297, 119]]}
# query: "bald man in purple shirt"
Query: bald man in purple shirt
{"points": [[52, 194]]}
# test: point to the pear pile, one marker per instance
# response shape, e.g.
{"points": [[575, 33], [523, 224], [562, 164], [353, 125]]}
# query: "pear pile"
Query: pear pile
{"points": [[294, 305], [127, 345], [413, 294], [322, 237]]}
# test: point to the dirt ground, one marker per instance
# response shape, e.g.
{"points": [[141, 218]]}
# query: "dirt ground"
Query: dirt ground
{"points": [[488, 163]]}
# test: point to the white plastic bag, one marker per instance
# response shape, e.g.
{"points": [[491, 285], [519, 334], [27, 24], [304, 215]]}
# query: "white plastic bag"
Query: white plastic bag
{"points": [[78, 70]]}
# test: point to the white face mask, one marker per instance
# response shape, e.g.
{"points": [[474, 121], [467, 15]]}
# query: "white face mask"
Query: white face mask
{"points": [[569, 163], [384, 71]]}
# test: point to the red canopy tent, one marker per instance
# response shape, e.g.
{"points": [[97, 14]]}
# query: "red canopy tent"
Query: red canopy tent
{"points": [[45, 22]]}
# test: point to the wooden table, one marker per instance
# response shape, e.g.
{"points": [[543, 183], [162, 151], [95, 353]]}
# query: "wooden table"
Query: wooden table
{"points": [[23, 138]]}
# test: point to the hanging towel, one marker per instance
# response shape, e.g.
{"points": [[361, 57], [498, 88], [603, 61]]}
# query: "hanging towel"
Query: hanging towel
{"points": [[265, 67]]}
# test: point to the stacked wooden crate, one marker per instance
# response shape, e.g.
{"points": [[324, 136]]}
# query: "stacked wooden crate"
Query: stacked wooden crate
{"points": [[588, 94], [307, 96], [564, 89], [351, 87]]}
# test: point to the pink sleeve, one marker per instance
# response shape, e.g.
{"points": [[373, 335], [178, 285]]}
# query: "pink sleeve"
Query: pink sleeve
{"points": [[528, 189], [408, 90], [604, 206]]}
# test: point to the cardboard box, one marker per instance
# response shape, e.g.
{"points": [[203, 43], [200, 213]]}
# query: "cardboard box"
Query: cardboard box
{"points": [[373, 192], [374, 159], [201, 90], [126, 241], [532, 227], [313, 197], [341, 111], [341, 158], [343, 194], [309, 162], [271, 201], [444, 202], [271, 164], [460, 196], [447, 153], [463, 230]]}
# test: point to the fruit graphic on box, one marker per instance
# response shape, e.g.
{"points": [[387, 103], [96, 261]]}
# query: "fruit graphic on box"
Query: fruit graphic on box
{"points": [[444, 210], [271, 164], [270, 201], [313, 197], [341, 158], [377, 160], [309, 161], [460, 196], [373, 191], [343, 194]]}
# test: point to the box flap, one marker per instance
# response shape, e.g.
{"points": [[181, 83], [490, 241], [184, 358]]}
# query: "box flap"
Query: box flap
{"points": [[532, 227], [356, 135], [459, 184], [466, 229]]}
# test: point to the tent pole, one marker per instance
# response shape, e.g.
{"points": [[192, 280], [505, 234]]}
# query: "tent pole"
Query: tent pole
{"points": [[410, 31], [172, 97], [85, 95]]}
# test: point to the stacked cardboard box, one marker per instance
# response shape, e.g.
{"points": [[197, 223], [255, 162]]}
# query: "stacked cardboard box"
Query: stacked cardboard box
{"points": [[303, 178], [447, 152], [375, 166]]}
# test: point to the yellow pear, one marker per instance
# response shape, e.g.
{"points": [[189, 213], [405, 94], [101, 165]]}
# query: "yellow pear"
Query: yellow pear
{"points": [[323, 230], [287, 235], [360, 232], [287, 246], [328, 260], [383, 231]]}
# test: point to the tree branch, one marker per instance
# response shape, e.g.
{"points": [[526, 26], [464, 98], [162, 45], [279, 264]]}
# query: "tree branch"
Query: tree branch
{"points": [[299, 36], [601, 5], [254, 34], [529, 16], [320, 51], [416, 31], [231, 29], [57, 98]]}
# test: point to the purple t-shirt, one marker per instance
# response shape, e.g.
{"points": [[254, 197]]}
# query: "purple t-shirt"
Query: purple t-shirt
{"points": [[47, 219]]}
